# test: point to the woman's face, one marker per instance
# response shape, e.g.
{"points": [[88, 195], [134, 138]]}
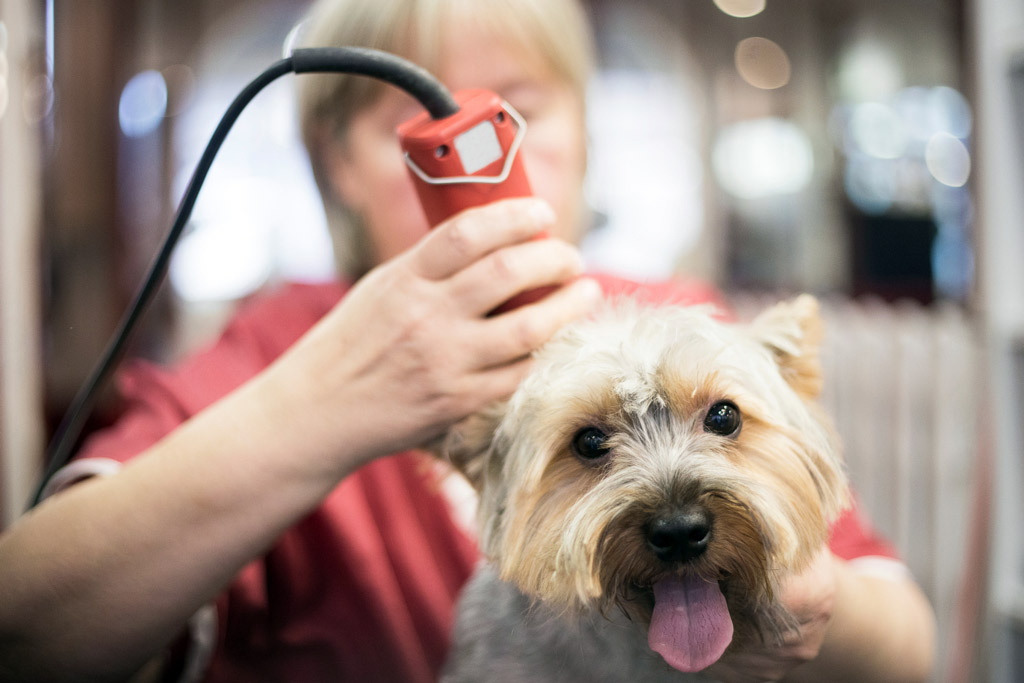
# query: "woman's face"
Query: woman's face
{"points": [[368, 171]]}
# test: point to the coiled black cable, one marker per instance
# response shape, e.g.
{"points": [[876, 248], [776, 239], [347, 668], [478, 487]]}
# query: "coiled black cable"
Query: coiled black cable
{"points": [[413, 79]]}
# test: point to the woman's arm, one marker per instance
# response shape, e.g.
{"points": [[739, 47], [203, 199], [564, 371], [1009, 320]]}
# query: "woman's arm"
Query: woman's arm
{"points": [[98, 579], [881, 630], [854, 628]]}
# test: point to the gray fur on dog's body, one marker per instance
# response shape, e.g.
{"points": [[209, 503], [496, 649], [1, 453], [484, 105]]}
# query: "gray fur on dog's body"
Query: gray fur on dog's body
{"points": [[501, 636]]}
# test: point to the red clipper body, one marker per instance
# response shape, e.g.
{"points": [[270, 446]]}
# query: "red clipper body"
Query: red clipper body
{"points": [[468, 159]]}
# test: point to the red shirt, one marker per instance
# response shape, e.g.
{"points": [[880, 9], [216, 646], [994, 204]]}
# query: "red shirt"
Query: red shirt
{"points": [[363, 588]]}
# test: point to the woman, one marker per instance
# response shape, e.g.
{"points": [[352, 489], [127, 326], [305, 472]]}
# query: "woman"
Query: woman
{"points": [[255, 478]]}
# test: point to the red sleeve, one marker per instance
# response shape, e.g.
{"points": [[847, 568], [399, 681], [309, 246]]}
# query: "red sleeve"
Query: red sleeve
{"points": [[679, 291], [853, 537], [156, 400], [363, 589]]}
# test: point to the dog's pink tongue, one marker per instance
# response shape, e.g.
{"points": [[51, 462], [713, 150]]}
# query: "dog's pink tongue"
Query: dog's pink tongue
{"points": [[690, 626]]}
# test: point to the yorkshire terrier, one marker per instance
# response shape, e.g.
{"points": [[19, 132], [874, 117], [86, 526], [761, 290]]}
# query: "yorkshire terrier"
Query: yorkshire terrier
{"points": [[642, 494]]}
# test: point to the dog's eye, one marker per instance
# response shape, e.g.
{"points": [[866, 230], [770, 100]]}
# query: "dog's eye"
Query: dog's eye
{"points": [[723, 419], [590, 443]]}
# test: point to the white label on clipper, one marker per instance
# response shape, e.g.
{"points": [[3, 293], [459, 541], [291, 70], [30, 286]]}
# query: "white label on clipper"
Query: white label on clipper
{"points": [[478, 147]]}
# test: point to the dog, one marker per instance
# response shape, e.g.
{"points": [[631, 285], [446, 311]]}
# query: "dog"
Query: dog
{"points": [[642, 493]]}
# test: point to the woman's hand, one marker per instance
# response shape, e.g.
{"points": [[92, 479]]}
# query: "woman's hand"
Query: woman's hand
{"points": [[407, 352], [411, 350], [809, 596], [852, 627]]}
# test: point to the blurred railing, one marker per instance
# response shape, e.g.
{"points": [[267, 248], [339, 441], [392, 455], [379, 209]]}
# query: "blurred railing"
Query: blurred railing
{"points": [[903, 384]]}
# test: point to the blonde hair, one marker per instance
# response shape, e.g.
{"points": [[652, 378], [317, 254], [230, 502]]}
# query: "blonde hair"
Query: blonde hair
{"points": [[556, 31]]}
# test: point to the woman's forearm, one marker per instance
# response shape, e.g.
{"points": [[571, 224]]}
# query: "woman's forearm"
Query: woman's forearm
{"points": [[882, 630], [98, 579]]}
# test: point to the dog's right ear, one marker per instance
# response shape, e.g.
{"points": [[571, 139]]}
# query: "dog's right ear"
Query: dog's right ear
{"points": [[792, 331], [467, 445]]}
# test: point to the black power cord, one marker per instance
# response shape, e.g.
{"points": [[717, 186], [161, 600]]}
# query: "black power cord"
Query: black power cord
{"points": [[415, 80]]}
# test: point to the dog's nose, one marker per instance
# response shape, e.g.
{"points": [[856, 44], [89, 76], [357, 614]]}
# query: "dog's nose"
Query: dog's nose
{"points": [[680, 536]]}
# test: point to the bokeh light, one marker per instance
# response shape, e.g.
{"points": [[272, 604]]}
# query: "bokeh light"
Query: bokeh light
{"points": [[38, 101], [762, 158], [949, 112], [762, 63], [898, 147], [877, 130], [907, 154], [228, 251], [4, 96], [948, 160], [741, 8], [868, 71], [658, 202], [143, 104], [870, 184]]}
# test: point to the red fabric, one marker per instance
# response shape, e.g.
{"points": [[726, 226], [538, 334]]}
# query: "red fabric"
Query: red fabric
{"points": [[360, 590], [363, 588], [680, 292], [853, 537]]}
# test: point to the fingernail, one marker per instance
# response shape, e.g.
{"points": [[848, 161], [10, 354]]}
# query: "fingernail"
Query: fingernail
{"points": [[542, 213], [591, 290], [579, 266]]}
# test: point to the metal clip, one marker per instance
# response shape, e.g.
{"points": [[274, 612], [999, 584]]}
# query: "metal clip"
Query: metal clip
{"points": [[489, 180]]}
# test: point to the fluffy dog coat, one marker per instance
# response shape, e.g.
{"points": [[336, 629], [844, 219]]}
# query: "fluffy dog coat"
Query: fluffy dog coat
{"points": [[642, 494]]}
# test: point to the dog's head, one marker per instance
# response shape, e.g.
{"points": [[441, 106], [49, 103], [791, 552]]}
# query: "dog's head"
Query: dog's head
{"points": [[661, 461]]}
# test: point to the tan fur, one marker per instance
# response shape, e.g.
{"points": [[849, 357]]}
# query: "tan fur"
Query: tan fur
{"points": [[570, 533], [793, 331]]}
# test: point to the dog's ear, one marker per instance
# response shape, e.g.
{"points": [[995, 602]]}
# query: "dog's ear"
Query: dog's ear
{"points": [[793, 330], [467, 444]]}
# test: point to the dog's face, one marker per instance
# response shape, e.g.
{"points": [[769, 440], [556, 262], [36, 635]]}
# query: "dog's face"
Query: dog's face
{"points": [[663, 462]]}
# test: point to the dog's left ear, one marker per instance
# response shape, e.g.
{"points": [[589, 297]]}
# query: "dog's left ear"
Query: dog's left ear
{"points": [[792, 330], [467, 444]]}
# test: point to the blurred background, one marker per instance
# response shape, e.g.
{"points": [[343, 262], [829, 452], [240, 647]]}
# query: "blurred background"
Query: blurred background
{"points": [[868, 151]]}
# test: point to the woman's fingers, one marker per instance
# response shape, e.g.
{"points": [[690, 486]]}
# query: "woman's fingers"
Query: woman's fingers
{"points": [[504, 273], [505, 342], [467, 237], [517, 333], [410, 349]]}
